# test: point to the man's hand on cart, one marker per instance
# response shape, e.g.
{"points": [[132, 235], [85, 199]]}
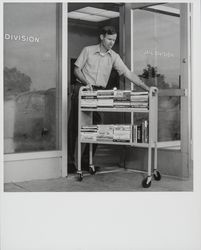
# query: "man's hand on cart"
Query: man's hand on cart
{"points": [[88, 86]]}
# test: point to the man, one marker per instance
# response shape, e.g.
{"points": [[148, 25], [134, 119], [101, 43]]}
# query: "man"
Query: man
{"points": [[92, 69]]}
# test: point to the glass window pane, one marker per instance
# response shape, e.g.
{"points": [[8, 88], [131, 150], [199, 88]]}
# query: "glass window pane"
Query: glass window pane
{"points": [[30, 77], [156, 59]]}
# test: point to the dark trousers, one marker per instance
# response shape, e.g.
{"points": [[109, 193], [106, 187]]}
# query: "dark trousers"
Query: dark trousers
{"points": [[73, 128]]}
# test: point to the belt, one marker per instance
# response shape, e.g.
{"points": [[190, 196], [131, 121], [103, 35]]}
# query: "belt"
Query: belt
{"points": [[96, 87]]}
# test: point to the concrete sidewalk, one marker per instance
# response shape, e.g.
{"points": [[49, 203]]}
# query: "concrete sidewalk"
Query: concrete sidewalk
{"points": [[123, 181]]}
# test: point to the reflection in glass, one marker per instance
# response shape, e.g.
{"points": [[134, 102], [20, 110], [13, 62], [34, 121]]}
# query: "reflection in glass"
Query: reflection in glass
{"points": [[30, 77], [156, 55]]}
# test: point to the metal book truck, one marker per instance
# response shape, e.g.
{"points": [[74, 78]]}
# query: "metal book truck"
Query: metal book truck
{"points": [[89, 102]]}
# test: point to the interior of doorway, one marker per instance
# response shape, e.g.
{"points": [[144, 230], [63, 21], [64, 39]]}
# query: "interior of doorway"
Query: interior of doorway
{"points": [[83, 31]]}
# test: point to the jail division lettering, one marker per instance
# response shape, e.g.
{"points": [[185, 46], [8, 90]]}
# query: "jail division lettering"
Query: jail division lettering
{"points": [[159, 53], [22, 38]]}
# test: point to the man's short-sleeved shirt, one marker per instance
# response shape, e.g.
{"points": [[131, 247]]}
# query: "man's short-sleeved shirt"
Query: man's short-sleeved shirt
{"points": [[97, 67]]}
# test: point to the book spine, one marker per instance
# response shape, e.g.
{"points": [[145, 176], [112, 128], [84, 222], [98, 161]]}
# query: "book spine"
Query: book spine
{"points": [[135, 133], [139, 133], [145, 131]]}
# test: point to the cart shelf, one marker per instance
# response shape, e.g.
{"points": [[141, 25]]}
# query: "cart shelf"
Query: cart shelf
{"points": [[140, 144], [114, 109]]}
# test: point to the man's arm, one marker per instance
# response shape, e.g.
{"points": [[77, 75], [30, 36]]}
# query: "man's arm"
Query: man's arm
{"points": [[131, 76], [78, 73], [122, 69]]}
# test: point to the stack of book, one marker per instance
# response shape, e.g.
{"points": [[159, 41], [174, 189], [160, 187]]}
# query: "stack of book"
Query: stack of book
{"points": [[89, 132], [105, 98], [139, 100], [122, 133], [115, 98], [122, 98], [141, 132], [89, 99], [117, 133], [105, 132]]}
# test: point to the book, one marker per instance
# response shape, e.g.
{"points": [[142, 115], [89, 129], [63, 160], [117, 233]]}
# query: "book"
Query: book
{"points": [[139, 104], [89, 93], [92, 136], [120, 95], [105, 132], [139, 93], [146, 131], [139, 99], [135, 133], [121, 104], [105, 102], [122, 133], [105, 93], [139, 133], [88, 103]]}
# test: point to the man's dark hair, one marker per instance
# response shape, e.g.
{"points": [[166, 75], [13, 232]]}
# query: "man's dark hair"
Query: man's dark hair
{"points": [[108, 30]]}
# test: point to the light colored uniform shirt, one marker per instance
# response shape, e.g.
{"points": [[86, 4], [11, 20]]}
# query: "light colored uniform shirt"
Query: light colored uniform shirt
{"points": [[97, 67]]}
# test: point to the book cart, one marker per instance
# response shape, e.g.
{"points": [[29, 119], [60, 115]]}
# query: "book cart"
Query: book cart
{"points": [[85, 119]]}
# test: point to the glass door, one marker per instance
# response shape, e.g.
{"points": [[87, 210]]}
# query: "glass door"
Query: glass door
{"points": [[159, 54], [156, 59]]}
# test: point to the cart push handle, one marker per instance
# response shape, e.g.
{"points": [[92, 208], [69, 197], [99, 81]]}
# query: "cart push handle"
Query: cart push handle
{"points": [[84, 88], [153, 91]]}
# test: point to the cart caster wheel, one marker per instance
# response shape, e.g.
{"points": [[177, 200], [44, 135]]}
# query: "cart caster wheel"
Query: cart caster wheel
{"points": [[157, 175], [80, 177], [146, 183], [92, 171]]}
